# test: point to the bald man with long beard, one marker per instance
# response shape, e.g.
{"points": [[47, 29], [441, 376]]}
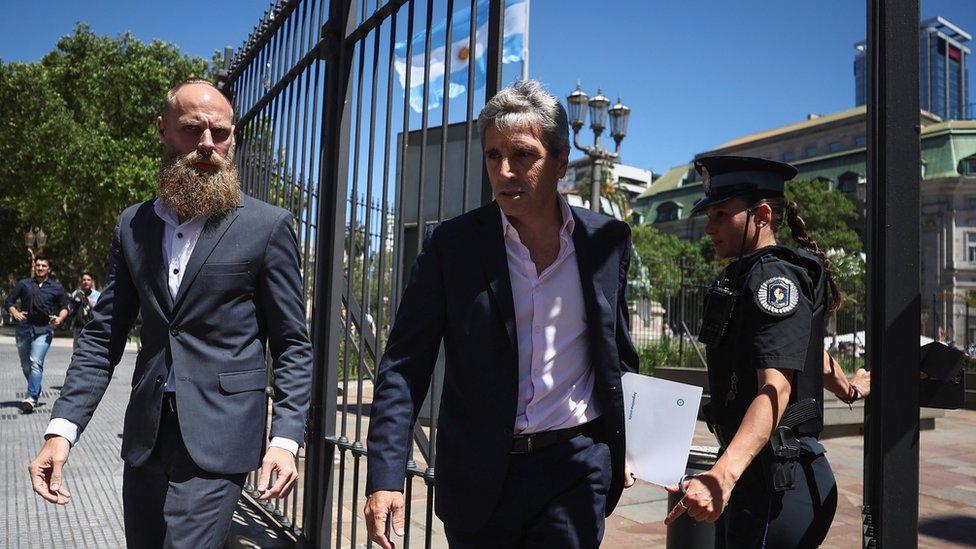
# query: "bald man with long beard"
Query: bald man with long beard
{"points": [[216, 277]]}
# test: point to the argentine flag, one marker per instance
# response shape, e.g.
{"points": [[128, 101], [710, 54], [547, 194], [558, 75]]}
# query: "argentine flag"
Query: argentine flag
{"points": [[516, 28]]}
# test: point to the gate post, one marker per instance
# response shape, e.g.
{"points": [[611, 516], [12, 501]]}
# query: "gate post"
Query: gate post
{"points": [[333, 155], [891, 450]]}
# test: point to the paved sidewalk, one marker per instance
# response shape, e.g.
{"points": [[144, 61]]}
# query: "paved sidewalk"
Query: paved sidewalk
{"points": [[94, 470], [94, 476]]}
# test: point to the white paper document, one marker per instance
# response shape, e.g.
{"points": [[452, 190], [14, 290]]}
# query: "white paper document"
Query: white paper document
{"points": [[660, 419]]}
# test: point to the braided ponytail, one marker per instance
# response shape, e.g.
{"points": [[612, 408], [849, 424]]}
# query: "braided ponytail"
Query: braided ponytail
{"points": [[787, 210]]}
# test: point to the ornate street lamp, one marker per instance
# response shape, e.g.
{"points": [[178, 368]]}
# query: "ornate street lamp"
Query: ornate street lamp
{"points": [[35, 238], [599, 108]]}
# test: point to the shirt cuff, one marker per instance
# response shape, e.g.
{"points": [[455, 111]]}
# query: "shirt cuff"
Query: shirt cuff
{"points": [[285, 444], [63, 428]]}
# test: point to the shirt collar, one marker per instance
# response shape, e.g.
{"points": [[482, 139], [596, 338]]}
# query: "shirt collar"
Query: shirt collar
{"points": [[565, 229], [169, 217]]}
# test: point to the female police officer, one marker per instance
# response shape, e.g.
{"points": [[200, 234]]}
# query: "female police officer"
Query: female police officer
{"points": [[763, 328]]}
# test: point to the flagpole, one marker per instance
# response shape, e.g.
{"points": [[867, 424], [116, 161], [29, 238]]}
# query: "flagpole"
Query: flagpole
{"points": [[525, 44]]}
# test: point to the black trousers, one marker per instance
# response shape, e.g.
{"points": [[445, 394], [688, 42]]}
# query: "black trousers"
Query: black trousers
{"points": [[170, 502], [555, 497], [795, 519]]}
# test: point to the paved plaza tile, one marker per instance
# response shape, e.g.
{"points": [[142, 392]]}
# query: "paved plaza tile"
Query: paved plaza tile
{"points": [[947, 500]]}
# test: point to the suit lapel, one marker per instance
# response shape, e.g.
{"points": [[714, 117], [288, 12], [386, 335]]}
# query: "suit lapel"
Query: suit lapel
{"points": [[212, 232], [495, 264], [152, 247], [589, 283]]}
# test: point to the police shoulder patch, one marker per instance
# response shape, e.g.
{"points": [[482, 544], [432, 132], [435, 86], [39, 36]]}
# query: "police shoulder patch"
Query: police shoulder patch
{"points": [[778, 296]]}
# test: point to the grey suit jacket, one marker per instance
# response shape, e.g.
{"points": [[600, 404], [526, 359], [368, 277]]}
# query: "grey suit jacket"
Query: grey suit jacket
{"points": [[241, 294]]}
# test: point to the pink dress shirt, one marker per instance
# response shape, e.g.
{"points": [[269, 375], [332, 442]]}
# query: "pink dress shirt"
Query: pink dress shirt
{"points": [[555, 389]]}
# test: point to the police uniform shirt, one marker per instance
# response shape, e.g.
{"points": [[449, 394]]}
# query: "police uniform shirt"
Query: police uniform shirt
{"points": [[772, 326]]}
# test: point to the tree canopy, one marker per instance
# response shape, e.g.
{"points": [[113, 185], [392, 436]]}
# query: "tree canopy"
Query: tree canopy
{"points": [[660, 262], [828, 215], [79, 143], [656, 269]]}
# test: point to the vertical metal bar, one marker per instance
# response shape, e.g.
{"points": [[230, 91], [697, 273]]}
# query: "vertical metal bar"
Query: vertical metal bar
{"points": [[399, 267], [421, 224], [442, 181], [493, 78], [404, 145], [469, 95], [333, 152], [384, 227], [892, 427], [351, 255]]}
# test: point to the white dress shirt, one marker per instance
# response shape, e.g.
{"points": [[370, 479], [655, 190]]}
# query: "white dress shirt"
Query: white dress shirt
{"points": [[179, 240], [555, 389]]}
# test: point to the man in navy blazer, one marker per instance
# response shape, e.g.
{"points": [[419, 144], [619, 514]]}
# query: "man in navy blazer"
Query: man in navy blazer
{"points": [[528, 297], [215, 275]]}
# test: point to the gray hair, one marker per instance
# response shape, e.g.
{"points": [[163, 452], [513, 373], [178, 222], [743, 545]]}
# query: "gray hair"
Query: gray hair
{"points": [[526, 104]]}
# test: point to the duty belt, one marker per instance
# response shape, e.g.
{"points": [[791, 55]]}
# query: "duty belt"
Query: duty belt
{"points": [[802, 418]]}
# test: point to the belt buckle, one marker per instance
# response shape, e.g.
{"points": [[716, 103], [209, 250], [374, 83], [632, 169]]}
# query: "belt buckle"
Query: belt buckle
{"points": [[169, 402], [518, 448]]}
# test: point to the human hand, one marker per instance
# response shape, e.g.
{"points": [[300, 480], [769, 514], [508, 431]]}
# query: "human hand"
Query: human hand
{"points": [[379, 505], [862, 382], [46, 470], [705, 497], [282, 463], [629, 478], [18, 315], [55, 321]]}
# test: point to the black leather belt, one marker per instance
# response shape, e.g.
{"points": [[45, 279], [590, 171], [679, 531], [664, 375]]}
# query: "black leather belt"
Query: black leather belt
{"points": [[525, 444]]}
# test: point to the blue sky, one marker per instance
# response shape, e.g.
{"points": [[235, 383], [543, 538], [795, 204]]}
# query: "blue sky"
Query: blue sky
{"points": [[695, 73]]}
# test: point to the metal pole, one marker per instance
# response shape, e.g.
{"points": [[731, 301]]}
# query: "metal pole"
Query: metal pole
{"points": [[595, 183], [493, 78], [892, 423], [334, 154]]}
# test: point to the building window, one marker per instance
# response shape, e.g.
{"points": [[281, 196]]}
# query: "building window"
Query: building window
{"points": [[834, 146], [971, 247], [860, 141], [847, 182], [789, 156], [968, 165], [810, 151], [668, 211]]}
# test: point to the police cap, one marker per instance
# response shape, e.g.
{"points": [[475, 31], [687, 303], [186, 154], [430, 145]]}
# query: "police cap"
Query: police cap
{"points": [[726, 177]]}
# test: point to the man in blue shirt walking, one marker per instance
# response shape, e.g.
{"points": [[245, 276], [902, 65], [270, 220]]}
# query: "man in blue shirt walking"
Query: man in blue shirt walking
{"points": [[43, 307]]}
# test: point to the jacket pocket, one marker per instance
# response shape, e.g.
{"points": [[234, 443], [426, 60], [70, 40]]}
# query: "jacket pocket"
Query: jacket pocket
{"points": [[248, 380], [240, 268]]}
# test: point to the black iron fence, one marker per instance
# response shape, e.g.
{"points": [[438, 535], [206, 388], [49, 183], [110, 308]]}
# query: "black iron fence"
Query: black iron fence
{"points": [[350, 118], [665, 325]]}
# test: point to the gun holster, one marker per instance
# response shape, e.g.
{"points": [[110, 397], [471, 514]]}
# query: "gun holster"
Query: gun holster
{"points": [[778, 459]]}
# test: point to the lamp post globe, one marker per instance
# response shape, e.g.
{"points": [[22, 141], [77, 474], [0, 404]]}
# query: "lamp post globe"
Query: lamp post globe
{"points": [[619, 114], [598, 112], [576, 101]]}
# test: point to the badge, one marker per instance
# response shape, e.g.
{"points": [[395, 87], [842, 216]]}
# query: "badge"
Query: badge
{"points": [[706, 180], [778, 296]]}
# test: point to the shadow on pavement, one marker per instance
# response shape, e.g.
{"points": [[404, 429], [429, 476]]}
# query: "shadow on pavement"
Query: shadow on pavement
{"points": [[957, 528], [253, 528]]}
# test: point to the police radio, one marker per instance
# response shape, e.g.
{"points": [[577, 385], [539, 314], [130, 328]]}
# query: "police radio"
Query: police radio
{"points": [[719, 305]]}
